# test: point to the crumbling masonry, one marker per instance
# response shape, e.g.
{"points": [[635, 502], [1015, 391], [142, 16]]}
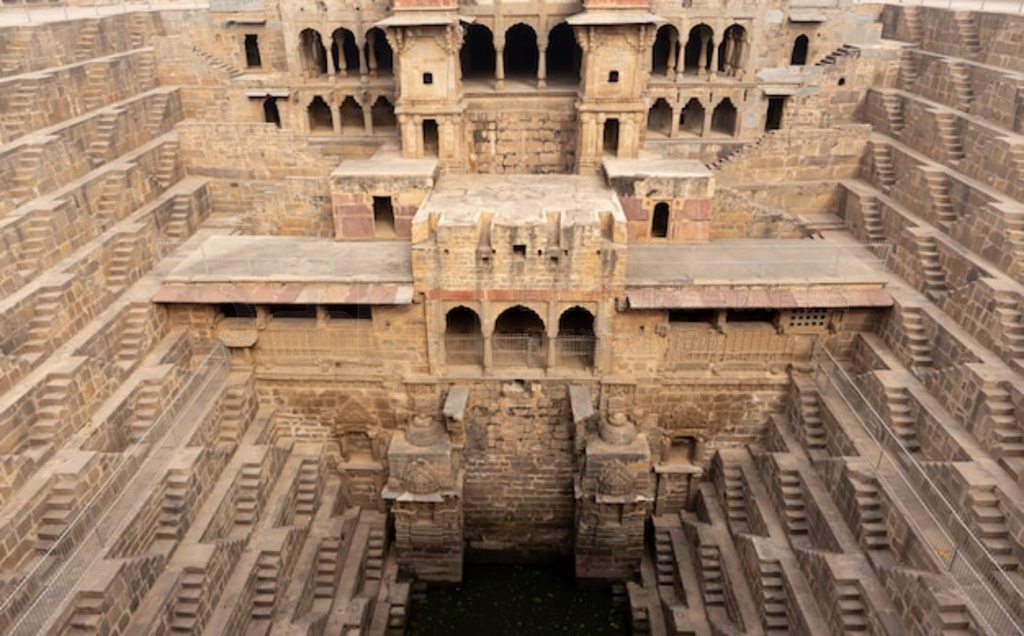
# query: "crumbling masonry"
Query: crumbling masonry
{"points": [[305, 304]]}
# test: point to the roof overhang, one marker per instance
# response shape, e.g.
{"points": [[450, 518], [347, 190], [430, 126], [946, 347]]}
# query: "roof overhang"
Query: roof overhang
{"points": [[750, 297], [252, 293], [599, 18]]}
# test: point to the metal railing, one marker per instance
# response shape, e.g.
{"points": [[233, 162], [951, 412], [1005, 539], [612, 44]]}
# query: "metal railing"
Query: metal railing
{"points": [[464, 349], [989, 6], [575, 350], [39, 594], [989, 590], [304, 345], [685, 345], [519, 349]]}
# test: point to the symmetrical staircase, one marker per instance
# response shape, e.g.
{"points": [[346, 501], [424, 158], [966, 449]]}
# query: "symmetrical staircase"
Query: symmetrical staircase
{"points": [[308, 488], [908, 69], [893, 104], [664, 557], [712, 577], [247, 497], [918, 344], [810, 415], [86, 42], [968, 30], [950, 137], [93, 95], [44, 316], [793, 502], [884, 169], [167, 164], [33, 244], [50, 409], [133, 335], [23, 185], [874, 232], [99, 145], [850, 603], [178, 223], [961, 83], [942, 205], [119, 269], [991, 528], [188, 602], [1011, 322], [901, 419], [869, 510], [374, 569], [773, 593], [934, 277], [59, 511], [172, 510], [268, 568], [735, 499], [327, 567]]}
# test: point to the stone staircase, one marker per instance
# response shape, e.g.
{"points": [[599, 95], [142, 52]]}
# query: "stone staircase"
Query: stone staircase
{"points": [[810, 416], [156, 112], [934, 277], [712, 576], [664, 557], [874, 231], [119, 269], [833, 57], [967, 27], [308, 488], [23, 185], [1017, 158], [893, 105], [94, 93], [188, 601], [137, 29], [247, 504], [35, 238], [230, 70], [178, 223], [961, 80], [918, 344], [327, 568], [874, 532], [46, 429], [735, 499], [44, 317], [901, 420], [174, 506], [86, 42], [773, 594], [950, 137], [990, 526], [793, 505], [1011, 322], [132, 342], [884, 169], [374, 569], [1006, 432], [16, 51], [167, 164], [58, 512], [148, 406], [942, 205], [908, 70], [17, 118], [912, 19], [103, 137], [108, 204], [268, 568]]}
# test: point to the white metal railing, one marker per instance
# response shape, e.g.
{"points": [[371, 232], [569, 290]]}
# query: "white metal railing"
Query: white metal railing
{"points": [[990, 591], [303, 345], [989, 6], [39, 594], [762, 345]]}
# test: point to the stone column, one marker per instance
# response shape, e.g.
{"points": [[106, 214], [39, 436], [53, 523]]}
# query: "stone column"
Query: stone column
{"points": [[714, 60], [371, 53], [730, 52], [674, 130], [552, 338], [363, 65], [616, 488], [542, 68], [706, 124], [487, 329], [367, 120], [673, 43], [335, 116], [426, 501], [342, 66], [499, 66], [702, 58]]}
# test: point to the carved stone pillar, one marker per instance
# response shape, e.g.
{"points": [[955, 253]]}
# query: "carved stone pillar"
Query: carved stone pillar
{"points": [[714, 60], [425, 491], [673, 43], [614, 491], [702, 58], [542, 68], [371, 53], [499, 66]]}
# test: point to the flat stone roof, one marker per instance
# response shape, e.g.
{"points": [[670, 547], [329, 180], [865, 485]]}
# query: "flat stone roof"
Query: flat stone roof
{"points": [[281, 269], [654, 167], [755, 273], [521, 199], [386, 164]]}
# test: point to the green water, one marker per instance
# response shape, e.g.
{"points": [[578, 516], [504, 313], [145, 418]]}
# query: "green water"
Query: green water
{"points": [[517, 600]]}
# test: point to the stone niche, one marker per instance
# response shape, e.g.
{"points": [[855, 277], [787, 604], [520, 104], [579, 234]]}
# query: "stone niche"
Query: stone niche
{"points": [[664, 200], [377, 198], [425, 491], [614, 493]]}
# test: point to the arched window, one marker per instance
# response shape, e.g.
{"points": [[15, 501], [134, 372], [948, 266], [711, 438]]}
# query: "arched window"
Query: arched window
{"points": [[383, 115], [463, 340], [659, 118], [518, 338], [344, 51], [699, 46], [379, 57], [723, 119], [521, 52], [270, 113], [732, 50], [611, 137], [665, 50], [575, 344], [351, 117], [659, 221], [312, 53], [477, 53], [430, 138], [563, 55], [320, 116], [691, 119], [800, 46]]}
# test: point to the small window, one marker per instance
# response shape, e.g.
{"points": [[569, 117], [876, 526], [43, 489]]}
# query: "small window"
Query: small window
{"points": [[613, 77], [750, 315], [237, 310], [842, 81], [519, 250], [271, 114], [692, 316], [383, 217], [776, 107], [659, 221], [293, 311], [428, 78], [252, 51], [808, 317], [349, 312]]}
